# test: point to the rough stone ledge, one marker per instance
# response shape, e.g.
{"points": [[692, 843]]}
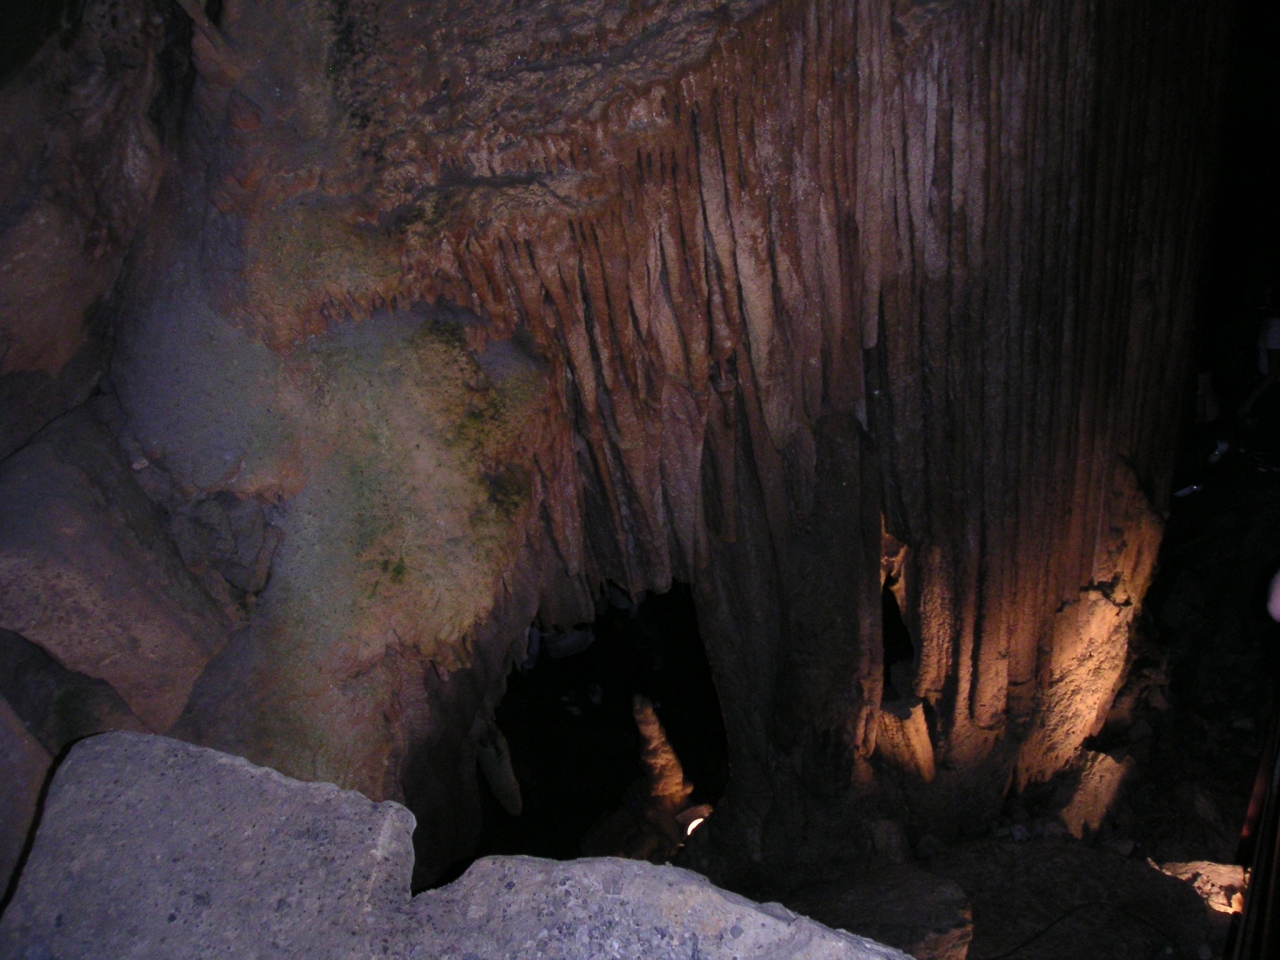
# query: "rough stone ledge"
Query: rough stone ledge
{"points": [[149, 847]]}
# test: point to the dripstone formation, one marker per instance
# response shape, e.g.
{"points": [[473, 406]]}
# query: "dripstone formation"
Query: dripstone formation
{"points": [[411, 322]]}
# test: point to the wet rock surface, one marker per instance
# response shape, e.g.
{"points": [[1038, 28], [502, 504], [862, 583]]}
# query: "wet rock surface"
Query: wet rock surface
{"points": [[151, 848]]}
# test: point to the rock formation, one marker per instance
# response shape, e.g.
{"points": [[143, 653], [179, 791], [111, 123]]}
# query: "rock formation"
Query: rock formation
{"points": [[84, 126], [151, 848], [656, 815], [435, 317], [88, 572]]}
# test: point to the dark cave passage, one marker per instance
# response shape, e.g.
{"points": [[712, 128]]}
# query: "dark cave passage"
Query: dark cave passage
{"points": [[899, 651], [27, 26], [574, 744]]}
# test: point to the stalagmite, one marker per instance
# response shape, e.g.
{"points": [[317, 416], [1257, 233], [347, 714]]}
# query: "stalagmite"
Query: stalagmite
{"points": [[668, 789], [494, 759], [903, 738]]}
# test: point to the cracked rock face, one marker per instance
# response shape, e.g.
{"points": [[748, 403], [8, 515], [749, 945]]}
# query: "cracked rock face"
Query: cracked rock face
{"points": [[88, 573], [151, 848]]}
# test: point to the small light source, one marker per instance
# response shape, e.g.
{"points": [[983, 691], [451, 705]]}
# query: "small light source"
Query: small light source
{"points": [[692, 818]]}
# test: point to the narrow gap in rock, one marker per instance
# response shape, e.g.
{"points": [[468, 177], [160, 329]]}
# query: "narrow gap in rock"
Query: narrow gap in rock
{"points": [[569, 720], [899, 651]]}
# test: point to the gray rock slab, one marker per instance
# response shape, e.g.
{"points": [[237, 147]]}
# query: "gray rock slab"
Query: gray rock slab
{"points": [[509, 907], [150, 847], [153, 848]]}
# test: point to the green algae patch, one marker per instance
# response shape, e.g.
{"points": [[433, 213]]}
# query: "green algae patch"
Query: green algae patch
{"points": [[409, 516], [399, 460]]}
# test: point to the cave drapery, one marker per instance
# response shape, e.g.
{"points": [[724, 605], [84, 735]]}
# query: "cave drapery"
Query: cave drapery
{"points": [[489, 304]]}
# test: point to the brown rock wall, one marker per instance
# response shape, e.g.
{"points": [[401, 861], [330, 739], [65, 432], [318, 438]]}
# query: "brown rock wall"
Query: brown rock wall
{"points": [[56, 705], [87, 572], [82, 126]]}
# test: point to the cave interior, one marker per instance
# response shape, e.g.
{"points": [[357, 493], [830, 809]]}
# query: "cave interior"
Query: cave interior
{"points": [[827, 445]]}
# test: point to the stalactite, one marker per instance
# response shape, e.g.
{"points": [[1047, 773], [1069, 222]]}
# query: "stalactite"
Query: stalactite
{"points": [[806, 275]]}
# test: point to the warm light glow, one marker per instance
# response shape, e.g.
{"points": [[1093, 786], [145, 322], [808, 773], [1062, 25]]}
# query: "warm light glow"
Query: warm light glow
{"points": [[693, 825]]}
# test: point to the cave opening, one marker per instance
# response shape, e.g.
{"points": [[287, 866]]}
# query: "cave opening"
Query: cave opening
{"points": [[568, 717], [899, 651], [27, 27]]}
